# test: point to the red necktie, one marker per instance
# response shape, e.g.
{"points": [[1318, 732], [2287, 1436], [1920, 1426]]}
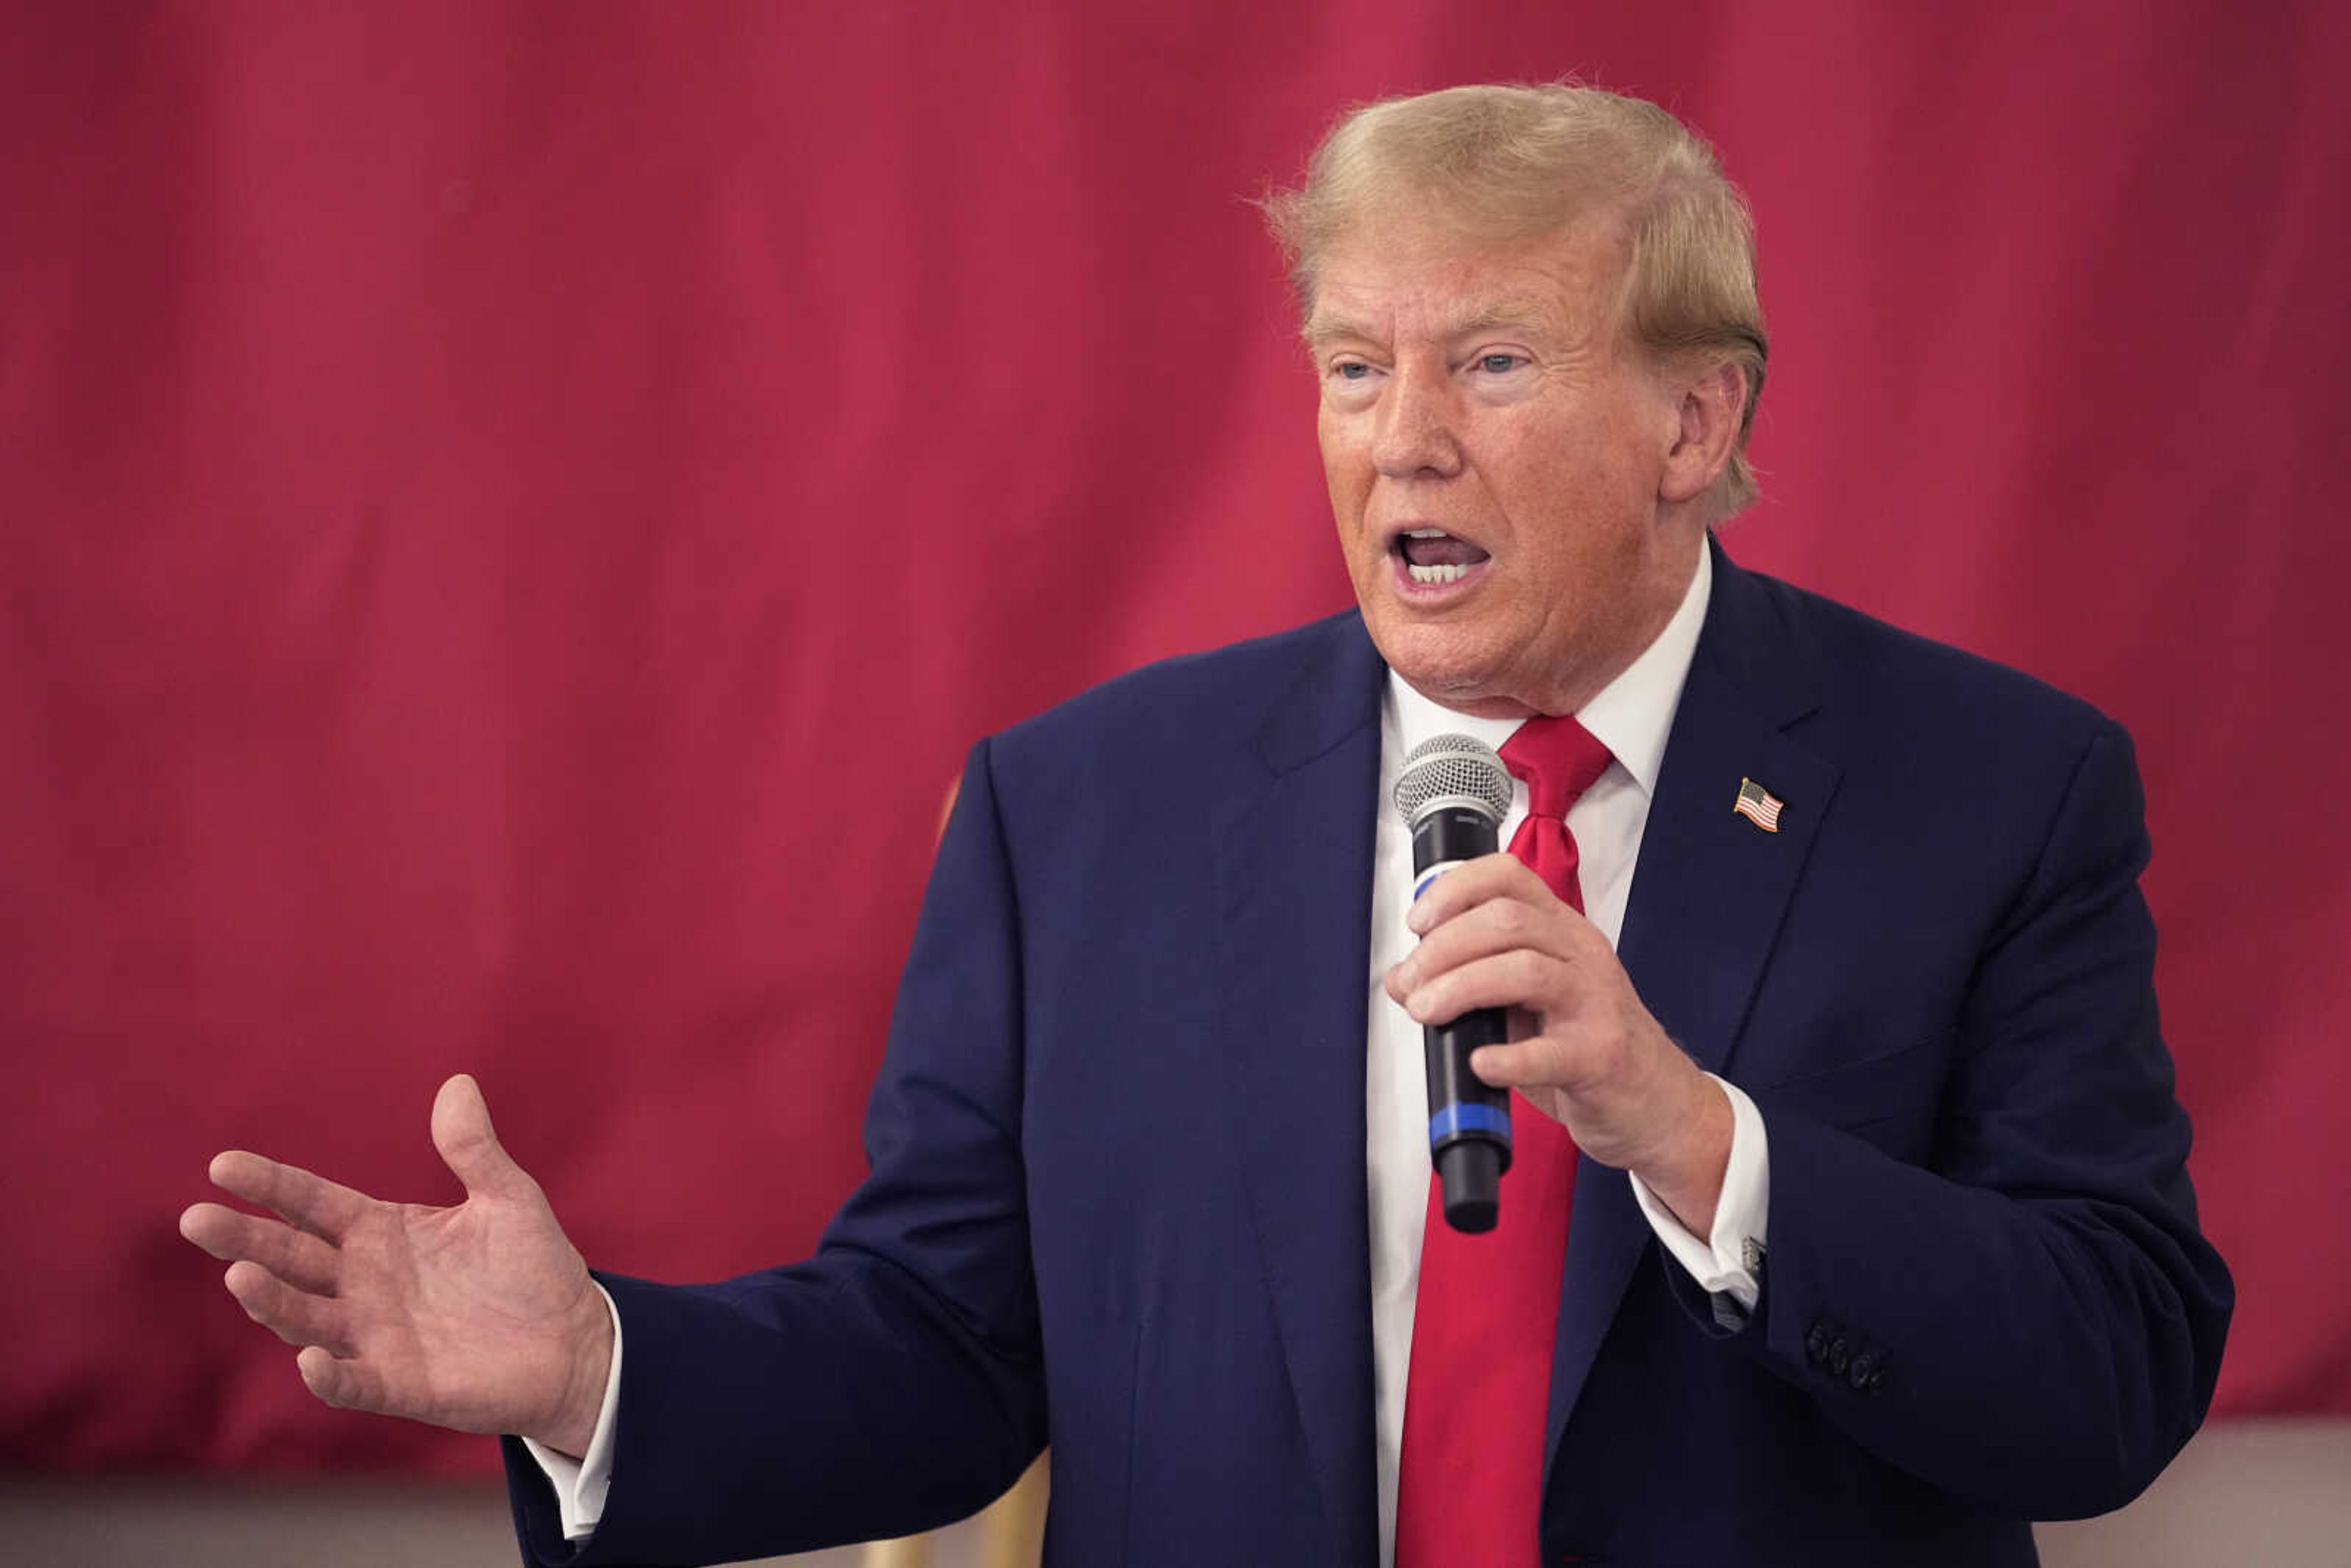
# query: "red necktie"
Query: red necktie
{"points": [[1470, 1486]]}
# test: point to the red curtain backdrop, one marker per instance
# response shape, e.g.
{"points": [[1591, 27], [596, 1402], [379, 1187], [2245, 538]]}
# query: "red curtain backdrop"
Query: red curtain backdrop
{"points": [[510, 515]]}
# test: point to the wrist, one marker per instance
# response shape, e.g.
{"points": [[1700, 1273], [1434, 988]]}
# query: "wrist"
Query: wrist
{"points": [[1687, 1176], [587, 1358]]}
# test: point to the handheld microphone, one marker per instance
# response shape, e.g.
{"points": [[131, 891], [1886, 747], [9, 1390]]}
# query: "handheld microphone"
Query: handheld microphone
{"points": [[1453, 794]]}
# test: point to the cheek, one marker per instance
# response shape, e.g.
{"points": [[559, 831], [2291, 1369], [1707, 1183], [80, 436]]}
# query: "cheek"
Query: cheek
{"points": [[1333, 434], [1345, 509], [1349, 482], [1584, 497]]}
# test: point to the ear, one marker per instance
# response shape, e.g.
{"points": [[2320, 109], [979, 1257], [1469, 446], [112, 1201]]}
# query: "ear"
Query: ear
{"points": [[1708, 415]]}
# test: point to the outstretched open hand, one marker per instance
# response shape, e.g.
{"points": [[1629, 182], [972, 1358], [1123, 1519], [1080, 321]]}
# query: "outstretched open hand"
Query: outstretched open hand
{"points": [[480, 1317]]}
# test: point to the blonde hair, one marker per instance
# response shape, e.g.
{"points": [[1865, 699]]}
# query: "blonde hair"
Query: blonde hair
{"points": [[1511, 162]]}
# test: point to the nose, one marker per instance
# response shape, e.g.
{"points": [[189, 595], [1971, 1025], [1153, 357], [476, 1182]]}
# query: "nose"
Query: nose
{"points": [[1414, 435]]}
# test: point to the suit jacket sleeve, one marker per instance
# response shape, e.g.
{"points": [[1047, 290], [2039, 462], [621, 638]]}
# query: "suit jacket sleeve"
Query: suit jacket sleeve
{"points": [[870, 1392], [2027, 1318]]}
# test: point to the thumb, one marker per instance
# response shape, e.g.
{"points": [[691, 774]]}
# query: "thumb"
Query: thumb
{"points": [[468, 1143]]}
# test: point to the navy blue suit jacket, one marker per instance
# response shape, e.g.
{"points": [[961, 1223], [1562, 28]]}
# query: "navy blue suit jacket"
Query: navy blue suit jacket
{"points": [[1118, 1197]]}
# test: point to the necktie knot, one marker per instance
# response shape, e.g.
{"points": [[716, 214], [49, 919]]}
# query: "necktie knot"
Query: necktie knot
{"points": [[1558, 759]]}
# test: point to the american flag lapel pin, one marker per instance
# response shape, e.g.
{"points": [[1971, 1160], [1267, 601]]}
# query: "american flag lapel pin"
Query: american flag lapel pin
{"points": [[1758, 805]]}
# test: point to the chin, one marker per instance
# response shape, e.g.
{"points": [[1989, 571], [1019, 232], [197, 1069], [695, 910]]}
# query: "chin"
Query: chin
{"points": [[1452, 678]]}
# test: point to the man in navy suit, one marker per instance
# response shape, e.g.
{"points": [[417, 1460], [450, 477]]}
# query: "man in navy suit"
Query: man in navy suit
{"points": [[1881, 1241]]}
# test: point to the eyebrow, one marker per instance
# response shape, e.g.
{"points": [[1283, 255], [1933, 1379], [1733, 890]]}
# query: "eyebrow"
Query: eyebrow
{"points": [[1507, 312]]}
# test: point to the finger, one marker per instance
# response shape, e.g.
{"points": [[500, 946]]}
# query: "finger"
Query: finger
{"points": [[1535, 1063], [296, 1256], [302, 1198], [1497, 925], [345, 1382], [295, 1316], [1473, 883], [1519, 977], [468, 1143], [364, 1382]]}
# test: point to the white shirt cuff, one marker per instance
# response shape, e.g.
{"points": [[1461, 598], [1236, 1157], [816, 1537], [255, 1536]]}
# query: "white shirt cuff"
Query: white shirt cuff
{"points": [[1726, 1261], [581, 1484]]}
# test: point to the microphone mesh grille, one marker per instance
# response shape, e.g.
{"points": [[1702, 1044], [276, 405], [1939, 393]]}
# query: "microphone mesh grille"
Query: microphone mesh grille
{"points": [[1454, 771]]}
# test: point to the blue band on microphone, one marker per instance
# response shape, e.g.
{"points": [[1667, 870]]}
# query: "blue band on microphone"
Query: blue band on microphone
{"points": [[1455, 1120], [1420, 882]]}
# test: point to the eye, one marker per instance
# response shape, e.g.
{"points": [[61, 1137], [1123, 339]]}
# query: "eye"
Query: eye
{"points": [[1500, 364], [1352, 371]]}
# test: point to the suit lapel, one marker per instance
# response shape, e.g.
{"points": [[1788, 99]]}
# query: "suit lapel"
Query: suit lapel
{"points": [[1293, 862], [1708, 896], [1293, 853]]}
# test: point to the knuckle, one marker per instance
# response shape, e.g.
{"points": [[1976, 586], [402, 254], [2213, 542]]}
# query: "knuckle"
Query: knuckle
{"points": [[1521, 973]]}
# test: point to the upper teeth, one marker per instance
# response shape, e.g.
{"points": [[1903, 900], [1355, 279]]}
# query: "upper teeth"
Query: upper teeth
{"points": [[1424, 533], [1435, 573]]}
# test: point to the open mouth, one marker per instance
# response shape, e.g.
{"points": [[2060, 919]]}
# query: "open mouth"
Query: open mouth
{"points": [[1431, 557]]}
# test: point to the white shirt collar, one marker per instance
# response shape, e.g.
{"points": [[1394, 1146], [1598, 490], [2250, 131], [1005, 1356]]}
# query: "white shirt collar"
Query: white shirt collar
{"points": [[1632, 715]]}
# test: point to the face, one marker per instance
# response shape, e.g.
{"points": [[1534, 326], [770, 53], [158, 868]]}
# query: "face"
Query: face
{"points": [[1506, 472]]}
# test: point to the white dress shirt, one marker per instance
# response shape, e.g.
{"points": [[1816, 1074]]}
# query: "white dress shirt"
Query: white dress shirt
{"points": [[1632, 716]]}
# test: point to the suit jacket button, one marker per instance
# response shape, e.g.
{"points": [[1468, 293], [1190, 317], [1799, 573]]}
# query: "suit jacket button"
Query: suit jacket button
{"points": [[1816, 1341], [1839, 1356], [1873, 1382], [1864, 1367]]}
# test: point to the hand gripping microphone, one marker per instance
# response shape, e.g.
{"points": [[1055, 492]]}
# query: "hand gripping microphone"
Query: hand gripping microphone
{"points": [[1453, 794]]}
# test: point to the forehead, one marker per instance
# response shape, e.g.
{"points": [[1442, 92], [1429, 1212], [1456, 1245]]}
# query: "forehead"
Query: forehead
{"points": [[1399, 274]]}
